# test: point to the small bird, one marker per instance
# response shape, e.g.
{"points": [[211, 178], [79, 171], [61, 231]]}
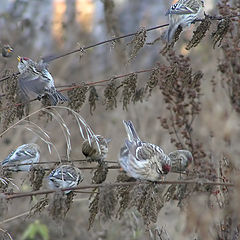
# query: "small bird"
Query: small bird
{"points": [[26, 153], [35, 81], [180, 159], [143, 160], [91, 151], [7, 51], [65, 176], [182, 13]]}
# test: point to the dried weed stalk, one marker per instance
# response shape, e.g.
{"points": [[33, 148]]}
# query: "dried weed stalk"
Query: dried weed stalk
{"points": [[39, 207], [152, 81], [139, 95], [93, 210]]}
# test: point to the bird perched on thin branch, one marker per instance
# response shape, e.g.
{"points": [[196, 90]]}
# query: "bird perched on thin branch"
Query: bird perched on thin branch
{"points": [[97, 149], [65, 176], [35, 81], [7, 51], [24, 154], [180, 159], [182, 13], [143, 160]]}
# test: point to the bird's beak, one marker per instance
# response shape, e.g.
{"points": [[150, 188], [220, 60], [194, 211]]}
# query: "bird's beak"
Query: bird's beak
{"points": [[10, 50], [19, 58]]}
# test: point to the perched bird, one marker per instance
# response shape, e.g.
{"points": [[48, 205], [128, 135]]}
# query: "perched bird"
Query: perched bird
{"points": [[26, 153], [65, 176], [180, 159], [91, 151], [7, 51], [182, 13], [142, 160], [35, 81]]}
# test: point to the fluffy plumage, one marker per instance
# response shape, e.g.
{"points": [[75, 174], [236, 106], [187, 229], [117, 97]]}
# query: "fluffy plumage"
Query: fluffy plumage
{"points": [[27, 153], [7, 51], [182, 13], [65, 176], [142, 160], [35, 81], [180, 159], [91, 151]]}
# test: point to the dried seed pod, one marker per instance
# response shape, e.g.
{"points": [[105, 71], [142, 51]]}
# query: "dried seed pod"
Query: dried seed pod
{"points": [[129, 88], [93, 97], [200, 33], [138, 42], [222, 29], [110, 94], [77, 97], [36, 177]]}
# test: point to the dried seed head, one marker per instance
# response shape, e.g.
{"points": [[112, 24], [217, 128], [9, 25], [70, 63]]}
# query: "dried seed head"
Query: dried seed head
{"points": [[153, 80], [138, 95], [38, 207], [199, 33], [36, 177], [100, 174], [77, 97], [110, 94], [137, 43], [93, 210], [93, 97], [222, 29], [60, 205], [107, 202], [129, 88]]}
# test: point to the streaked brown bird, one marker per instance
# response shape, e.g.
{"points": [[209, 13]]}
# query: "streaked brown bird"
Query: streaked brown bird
{"points": [[35, 81], [180, 159], [143, 160], [97, 150], [182, 13], [7, 51]]}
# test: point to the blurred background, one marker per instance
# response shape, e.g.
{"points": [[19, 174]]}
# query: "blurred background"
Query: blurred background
{"points": [[40, 28]]}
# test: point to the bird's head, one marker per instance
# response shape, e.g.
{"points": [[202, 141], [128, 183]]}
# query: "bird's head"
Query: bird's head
{"points": [[166, 168], [7, 50], [23, 63]]}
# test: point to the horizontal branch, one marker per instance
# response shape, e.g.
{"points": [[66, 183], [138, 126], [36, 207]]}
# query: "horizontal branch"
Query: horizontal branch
{"points": [[35, 193]]}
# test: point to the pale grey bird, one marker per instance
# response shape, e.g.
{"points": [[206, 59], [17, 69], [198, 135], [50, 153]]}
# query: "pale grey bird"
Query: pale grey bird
{"points": [[65, 176], [142, 160], [97, 150], [35, 81], [183, 13], [24, 154], [180, 159]]}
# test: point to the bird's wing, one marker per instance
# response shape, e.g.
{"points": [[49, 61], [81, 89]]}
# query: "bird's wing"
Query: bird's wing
{"points": [[30, 84], [65, 174], [21, 155]]}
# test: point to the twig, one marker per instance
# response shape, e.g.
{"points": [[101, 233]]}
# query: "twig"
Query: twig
{"points": [[34, 193]]}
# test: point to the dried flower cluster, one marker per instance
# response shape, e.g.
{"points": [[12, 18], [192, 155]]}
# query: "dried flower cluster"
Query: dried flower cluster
{"points": [[77, 97], [110, 94]]}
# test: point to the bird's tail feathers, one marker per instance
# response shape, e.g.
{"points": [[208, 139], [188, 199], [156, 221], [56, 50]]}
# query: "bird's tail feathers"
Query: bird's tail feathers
{"points": [[131, 132], [57, 97]]}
